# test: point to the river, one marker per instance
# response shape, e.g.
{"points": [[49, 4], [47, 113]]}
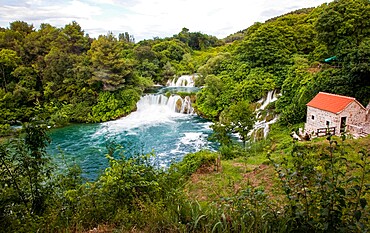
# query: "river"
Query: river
{"points": [[157, 126]]}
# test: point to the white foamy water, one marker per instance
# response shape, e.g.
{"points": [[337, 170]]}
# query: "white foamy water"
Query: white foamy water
{"points": [[183, 81], [271, 97], [263, 124], [152, 109]]}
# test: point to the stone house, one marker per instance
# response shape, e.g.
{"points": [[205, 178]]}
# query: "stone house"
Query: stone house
{"points": [[337, 114]]}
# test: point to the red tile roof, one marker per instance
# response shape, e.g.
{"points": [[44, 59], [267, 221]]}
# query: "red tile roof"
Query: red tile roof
{"points": [[331, 102]]}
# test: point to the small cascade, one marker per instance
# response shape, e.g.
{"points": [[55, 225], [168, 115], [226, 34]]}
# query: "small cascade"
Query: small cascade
{"points": [[265, 125], [183, 81], [174, 103], [186, 107], [152, 100], [265, 121], [271, 97]]}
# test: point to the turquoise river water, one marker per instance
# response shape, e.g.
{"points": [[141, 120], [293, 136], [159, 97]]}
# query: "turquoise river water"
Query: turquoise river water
{"points": [[156, 126]]}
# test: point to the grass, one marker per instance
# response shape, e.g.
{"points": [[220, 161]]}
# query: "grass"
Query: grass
{"points": [[236, 175], [255, 169], [216, 197], [211, 187], [239, 173]]}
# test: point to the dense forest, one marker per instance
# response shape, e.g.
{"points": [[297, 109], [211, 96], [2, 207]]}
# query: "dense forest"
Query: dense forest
{"points": [[56, 76]]}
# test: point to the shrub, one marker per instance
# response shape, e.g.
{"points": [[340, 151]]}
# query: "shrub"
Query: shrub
{"points": [[192, 162], [232, 151], [326, 188]]}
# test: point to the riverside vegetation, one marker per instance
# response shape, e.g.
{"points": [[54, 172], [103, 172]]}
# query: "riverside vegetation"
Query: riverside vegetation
{"points": [[55, 76], [273, 186]]}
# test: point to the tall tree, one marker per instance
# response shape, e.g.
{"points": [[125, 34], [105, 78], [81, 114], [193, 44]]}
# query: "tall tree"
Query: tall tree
{"points": [[111, 69], [8, 61]]}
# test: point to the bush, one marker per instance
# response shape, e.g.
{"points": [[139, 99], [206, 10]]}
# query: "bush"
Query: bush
{"points": [[232, 151], [326, 188], [5, 130], [24, 174], [112, 105], [192, 162]]}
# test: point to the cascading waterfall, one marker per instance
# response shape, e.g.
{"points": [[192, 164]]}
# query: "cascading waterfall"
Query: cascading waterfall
{"points": [[271, 97], [174, 103], [186, 106], [264, 124], [183, 81]]}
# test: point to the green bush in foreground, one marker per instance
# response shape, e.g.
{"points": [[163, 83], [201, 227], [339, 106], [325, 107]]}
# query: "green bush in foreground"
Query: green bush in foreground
{"points": [[326, 188]]}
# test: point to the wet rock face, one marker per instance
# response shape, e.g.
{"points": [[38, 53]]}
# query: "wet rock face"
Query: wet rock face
{"points": [[178, 106], [186, 106]]}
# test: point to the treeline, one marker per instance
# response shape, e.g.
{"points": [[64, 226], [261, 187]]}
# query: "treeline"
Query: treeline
{"points": [[61, 75]]}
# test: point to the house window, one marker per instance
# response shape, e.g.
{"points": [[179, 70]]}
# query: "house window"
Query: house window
{"points": [[313, 117], [327, 123]]}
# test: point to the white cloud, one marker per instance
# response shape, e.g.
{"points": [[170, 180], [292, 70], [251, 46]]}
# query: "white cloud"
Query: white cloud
{"points": [[36, 12], [149, 18]]}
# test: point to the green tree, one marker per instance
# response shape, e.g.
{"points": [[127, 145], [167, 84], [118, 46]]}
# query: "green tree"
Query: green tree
{"points": [[110, 68], [8, 62], [21, 27], [210, 101], [341, 25], [239, 118], [37, 44], [171, 50], [341, 28], [24, 174], [126, 37], [168, 71], [72, 39]]}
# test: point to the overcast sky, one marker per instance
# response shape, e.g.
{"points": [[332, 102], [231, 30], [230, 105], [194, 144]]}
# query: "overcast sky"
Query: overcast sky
{"points": [[146, 19]]}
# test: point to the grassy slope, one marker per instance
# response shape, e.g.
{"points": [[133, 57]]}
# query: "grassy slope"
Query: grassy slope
{"points": [[255, 170]]}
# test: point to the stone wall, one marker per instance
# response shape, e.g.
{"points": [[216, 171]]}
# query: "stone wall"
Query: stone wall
{"points": [[355, 114], [317, 118]]}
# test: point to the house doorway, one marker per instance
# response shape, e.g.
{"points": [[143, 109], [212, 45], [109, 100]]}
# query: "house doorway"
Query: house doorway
{"points": [[343, 122]]}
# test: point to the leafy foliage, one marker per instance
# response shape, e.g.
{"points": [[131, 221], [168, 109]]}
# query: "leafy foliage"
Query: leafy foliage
{"points": [[61, 75], [114, 105], [287, 53], [325, 189], [25, 172]]}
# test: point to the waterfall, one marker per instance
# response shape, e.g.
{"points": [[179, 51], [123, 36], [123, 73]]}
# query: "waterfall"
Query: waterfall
{"points": [[174, 103], [157, 126], [153, 109], [183, 81], [271, 97], [186, 106], [264, 123]]}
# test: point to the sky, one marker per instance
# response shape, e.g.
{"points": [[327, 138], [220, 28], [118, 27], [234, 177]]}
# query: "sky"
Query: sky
{"points": [[145, 19]]}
